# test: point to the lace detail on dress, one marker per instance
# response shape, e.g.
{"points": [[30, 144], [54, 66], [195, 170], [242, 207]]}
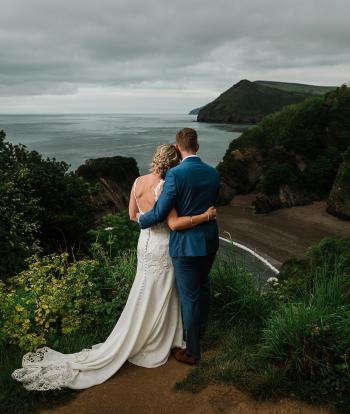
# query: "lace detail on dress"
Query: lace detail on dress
{"points": [[39, 375], [158, 189], [33, 357]]}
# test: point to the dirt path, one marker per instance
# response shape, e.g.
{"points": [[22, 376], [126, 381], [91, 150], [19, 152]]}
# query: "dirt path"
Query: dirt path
{"points": [[280, 234], [135, 390]]}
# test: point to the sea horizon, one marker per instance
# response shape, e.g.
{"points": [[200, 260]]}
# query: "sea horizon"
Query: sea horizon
{"points": [[76, 137]]}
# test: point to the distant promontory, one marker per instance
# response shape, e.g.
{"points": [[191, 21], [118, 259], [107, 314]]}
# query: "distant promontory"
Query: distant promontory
{"points": [[249, 102]]}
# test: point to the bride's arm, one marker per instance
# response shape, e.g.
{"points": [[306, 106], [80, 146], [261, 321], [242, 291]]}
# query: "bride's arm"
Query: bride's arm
{"points": [[186, 222], [133, 210]]}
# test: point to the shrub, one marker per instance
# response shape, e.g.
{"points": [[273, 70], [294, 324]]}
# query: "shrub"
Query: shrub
{"points": [[54, 297], [331, 251], [321, 172], [42, 205], [114, 278], [277, 175], [19, 220], [51, 297], [114, 233]]}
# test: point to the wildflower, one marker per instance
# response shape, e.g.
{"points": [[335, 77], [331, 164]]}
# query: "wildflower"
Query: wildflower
{"points": [[273, 280], [108, 228]]}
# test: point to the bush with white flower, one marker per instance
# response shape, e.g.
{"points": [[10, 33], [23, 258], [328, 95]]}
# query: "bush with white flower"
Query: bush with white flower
{"points": [[114, 234]]}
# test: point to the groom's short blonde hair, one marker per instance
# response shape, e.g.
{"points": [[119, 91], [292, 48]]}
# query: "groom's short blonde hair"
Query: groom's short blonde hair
{"points": [[187, 139]]}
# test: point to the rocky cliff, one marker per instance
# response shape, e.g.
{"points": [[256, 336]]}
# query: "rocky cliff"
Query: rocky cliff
{"points": [[293, 157], [338, 202]]}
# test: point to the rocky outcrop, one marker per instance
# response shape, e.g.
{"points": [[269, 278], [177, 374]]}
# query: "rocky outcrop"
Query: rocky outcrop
{"points": [[113, 177], [285, 198], [338, 203], [291, 158], [240, 174]]}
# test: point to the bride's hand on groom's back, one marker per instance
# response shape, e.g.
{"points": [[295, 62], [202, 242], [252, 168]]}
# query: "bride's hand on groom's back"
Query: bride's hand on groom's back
{"points": [[211, 213]]}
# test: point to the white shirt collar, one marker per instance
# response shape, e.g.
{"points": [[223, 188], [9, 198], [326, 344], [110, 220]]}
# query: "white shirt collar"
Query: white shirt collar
{"points": [[188, 156]]}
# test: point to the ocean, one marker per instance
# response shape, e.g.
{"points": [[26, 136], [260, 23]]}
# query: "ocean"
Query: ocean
{"points": [[76, 138]]}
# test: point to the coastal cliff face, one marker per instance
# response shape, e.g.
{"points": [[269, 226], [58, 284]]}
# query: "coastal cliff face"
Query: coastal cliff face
{"points": [[293, 157], [113, 177], [338, 202], [249, 102]]}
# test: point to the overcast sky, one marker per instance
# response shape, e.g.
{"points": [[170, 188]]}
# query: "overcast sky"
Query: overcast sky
{"points": [[106, 56]]}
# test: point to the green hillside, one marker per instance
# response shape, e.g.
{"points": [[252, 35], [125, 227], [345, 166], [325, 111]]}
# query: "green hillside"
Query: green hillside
{"points": [[297, 87], [292, 157], [249, 102]]}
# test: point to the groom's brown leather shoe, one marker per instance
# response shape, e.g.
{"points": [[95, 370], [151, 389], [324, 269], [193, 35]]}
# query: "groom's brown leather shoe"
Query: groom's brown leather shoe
{"points": [[176, 349], [181, 356]]}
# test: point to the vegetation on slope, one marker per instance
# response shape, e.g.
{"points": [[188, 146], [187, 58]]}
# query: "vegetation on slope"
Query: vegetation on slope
{"points": [[338, 202], [249, 102], [67, 305], [298, 87], [288, 339], [292, 155], [43, 207]]}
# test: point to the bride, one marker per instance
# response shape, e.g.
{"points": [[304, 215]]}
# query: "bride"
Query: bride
{"points": [[150, 324]]}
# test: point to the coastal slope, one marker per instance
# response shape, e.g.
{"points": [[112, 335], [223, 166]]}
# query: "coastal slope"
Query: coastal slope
{"points": [[249, 102], [294, 157]]}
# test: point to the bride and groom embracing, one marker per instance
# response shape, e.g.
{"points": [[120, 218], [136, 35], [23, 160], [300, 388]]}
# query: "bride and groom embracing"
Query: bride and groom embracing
{"points": [[168, 304]]}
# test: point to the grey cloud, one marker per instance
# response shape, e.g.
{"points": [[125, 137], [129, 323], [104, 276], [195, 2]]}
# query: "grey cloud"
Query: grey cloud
{"points": [[58, 46]]}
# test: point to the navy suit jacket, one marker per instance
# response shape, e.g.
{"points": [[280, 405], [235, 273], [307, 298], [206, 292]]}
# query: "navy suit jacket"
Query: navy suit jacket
{"points": [[191, 187]]}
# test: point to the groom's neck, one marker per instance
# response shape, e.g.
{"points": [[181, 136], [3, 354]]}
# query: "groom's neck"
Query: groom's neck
{"points": [[185, 154]]}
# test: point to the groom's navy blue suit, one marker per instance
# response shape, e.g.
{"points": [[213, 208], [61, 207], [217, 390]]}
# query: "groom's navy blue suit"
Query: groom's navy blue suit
{"points": [[191, 187]]}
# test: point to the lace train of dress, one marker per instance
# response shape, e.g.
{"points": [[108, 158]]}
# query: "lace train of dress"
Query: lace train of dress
{"points": [[149, 326]]}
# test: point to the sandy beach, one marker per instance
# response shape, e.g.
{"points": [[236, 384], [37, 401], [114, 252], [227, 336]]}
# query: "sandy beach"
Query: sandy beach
{"points": [[280, 234]]}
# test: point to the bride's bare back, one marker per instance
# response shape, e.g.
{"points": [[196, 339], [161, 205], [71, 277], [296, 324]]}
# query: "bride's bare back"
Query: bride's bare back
{"points": [[144, 190]]}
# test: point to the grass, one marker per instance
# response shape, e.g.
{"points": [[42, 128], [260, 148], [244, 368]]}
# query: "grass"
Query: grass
{"points": [[291, 340], [231, 344]]}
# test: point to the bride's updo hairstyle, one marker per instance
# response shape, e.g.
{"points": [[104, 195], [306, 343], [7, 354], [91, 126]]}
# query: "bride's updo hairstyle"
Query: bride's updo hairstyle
{"points": [[165, 157]]}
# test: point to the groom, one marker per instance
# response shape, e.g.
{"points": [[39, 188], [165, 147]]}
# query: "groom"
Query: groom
{"points": [[191, 187]]}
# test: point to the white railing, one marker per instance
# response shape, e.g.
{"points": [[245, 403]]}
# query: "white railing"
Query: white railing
{"points": [[250, 251]]}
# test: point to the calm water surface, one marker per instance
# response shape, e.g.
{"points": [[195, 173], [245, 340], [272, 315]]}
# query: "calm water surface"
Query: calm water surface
{"points": [[75, 138]]}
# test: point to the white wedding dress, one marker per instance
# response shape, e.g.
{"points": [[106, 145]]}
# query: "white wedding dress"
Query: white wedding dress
{"points": [[149, 326]]}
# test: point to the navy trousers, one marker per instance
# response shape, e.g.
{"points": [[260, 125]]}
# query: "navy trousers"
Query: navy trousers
{"points": [[193, 284]]}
